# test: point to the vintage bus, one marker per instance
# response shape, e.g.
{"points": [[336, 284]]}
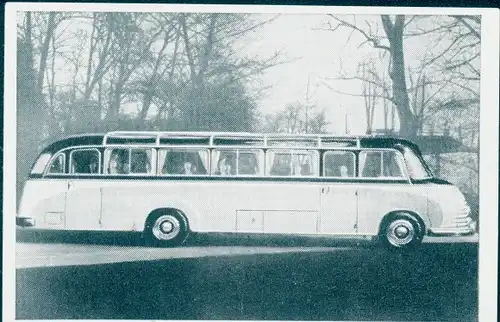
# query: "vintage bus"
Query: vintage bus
{"points": [[170, 184]]}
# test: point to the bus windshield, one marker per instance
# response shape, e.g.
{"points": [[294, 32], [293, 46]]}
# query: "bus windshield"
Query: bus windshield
{"points": [[417, 168]]}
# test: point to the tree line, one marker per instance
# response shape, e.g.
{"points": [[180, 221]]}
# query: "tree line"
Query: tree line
{"points": [[99, 71]]}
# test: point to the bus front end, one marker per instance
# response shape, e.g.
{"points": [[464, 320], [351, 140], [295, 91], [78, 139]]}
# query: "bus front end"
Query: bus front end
{"points": [[448, 203], [448, 212]]}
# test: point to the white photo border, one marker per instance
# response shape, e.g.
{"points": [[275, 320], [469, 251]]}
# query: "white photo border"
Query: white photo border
{"points": [[489, 123]]}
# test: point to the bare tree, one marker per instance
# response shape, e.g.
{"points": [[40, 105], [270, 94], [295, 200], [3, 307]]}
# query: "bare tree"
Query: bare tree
{"points": [[369, 92], [161, 66], [393, 44], [292, 120]]}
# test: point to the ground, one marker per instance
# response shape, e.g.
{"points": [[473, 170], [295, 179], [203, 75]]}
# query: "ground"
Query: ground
{"points": [[279, 279]]}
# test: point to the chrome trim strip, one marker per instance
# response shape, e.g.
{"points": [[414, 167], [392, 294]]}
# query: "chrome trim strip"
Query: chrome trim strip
{"points": [[443, 231]]}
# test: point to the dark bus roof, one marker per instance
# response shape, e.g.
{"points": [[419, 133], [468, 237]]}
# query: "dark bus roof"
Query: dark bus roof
{"points": [[74, 140], [186, 137]]}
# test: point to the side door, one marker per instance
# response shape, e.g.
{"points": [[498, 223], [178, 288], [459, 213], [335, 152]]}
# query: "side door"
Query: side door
{"points": [[45, 199], [339, 198], [127, 194], [83, 197]]}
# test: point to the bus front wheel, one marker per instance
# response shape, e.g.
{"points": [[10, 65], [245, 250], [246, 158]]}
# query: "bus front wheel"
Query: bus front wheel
{"points": [[166, 228], [401, 232]]}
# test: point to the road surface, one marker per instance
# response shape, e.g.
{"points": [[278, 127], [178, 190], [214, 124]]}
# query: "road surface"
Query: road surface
{"points": [[279, 280]]}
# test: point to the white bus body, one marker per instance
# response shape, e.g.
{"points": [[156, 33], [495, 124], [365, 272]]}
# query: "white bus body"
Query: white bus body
{"points": [[401, 210]]}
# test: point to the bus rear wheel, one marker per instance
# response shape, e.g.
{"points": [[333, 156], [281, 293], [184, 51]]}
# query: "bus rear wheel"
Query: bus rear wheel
{"points": [[401, 233], [166, 228]]}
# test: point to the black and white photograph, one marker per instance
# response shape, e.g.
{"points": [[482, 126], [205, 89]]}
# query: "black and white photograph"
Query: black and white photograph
{"points": [[250, 162]]}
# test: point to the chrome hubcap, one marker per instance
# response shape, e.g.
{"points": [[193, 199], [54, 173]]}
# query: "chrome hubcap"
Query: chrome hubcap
{"points": [[400, 232], [166, 227]]}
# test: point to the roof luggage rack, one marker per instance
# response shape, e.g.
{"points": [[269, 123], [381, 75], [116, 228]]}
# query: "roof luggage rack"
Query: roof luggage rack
{"points": [[212, 139]]}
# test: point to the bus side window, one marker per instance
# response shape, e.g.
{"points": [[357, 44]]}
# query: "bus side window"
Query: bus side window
{"points": [[140, 161], [118, 161], [57, 166], [292, 163], [183, 161], [392, 165], [339, 164], [249, 162], [280, 165], [224, 162], [385, 164], [41, 163], [230, 162], [85, 161], [370, 164]]}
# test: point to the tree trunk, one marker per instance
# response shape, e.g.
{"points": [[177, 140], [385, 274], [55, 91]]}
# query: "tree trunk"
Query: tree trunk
{"points": [[114, 106], [394, 32], [146, 103], [45, 50], [31, 108]]}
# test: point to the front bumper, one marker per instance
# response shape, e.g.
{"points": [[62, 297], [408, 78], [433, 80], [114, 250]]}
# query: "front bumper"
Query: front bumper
{"points": [[25, 221], [463, 230]]}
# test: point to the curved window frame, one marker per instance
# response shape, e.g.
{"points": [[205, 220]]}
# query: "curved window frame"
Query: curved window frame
{"points": [[418, 157], [52, 160], [40, 165]]}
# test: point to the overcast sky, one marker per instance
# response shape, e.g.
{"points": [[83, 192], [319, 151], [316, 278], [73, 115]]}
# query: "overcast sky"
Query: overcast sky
{"points": [[313, 55], [318, 54]]}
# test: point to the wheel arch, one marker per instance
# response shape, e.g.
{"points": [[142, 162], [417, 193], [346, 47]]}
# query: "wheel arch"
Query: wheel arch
{"points": [[161, 210], [153, 205], [405, 213]]}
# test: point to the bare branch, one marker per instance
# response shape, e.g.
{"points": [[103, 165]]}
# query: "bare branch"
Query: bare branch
{"points": [[446, 50], [355, 95], [357, 78], [409, 21], [462, 63], [369, 38], [463, 20]]}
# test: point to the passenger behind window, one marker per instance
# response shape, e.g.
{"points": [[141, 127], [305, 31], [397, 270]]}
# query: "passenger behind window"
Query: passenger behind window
{"points": [[189, 168], [118, 162], [227, 165], [141, 163], [85, 162], [248, 164], [113, 163], [173, 164], [344, 171], [187, 163], [94, 166], [57, 165]]}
